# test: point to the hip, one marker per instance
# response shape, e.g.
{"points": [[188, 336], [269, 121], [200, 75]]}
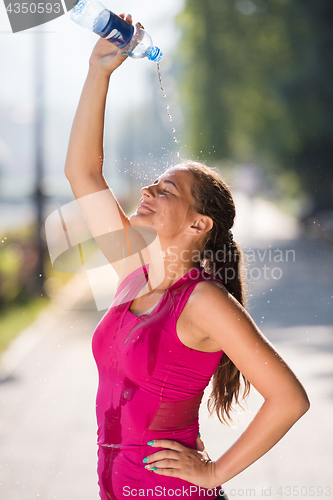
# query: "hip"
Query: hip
{"points": [[124, 476]]}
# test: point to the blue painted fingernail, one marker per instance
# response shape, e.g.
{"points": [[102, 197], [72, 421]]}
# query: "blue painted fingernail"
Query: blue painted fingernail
{"points": [[145, 460], [150, 443], [123, 53], [153, 468], [139, 24], [199, 434]]}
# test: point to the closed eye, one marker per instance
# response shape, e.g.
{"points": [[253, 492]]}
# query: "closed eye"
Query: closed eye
{"points": [[164, 190]]}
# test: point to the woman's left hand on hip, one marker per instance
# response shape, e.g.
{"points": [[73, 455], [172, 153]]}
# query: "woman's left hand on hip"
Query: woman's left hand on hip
{"points": [[177, 460]]}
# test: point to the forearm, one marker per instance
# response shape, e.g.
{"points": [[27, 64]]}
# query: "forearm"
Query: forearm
{"points": [[85, 149], [269, 425]]}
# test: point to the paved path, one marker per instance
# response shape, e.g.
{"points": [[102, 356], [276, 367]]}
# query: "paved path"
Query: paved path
{"points": [[49, 380]]}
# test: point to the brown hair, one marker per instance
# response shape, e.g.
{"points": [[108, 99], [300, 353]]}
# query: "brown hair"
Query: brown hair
{"points": [[213, 198]]}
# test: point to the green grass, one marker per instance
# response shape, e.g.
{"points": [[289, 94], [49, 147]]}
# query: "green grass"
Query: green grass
{"points": [[19, 317]]}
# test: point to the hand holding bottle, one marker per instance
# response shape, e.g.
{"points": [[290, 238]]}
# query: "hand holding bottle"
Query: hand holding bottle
{"points": [[135, 41], [106, 56]]}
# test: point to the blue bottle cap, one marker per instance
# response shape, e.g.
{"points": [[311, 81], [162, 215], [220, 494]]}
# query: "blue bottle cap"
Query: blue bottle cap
{"points": [[155, 54]]}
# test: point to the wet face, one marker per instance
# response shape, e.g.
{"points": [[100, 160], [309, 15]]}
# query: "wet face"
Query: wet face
{"points": [[166, 204]]}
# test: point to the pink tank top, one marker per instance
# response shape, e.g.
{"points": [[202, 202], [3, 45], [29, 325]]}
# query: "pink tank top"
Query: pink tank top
{"points": [[150, 387]]}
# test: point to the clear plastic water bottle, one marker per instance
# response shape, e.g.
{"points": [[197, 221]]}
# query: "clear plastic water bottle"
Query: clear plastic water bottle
{"points": [[135, 41]]}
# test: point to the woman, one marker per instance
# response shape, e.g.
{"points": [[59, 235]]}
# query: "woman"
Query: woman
{"points": [[178, 318]]}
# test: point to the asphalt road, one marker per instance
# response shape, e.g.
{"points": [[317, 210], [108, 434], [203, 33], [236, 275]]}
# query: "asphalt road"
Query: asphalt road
{"points": [[49, 381]]}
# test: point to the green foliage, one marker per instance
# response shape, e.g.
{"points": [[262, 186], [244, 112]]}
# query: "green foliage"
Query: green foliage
{"points": [[15, 319], [18, 271], [256, 83], [20, 299], [18, 259]]}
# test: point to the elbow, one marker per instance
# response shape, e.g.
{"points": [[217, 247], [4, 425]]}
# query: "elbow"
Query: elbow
{"points": [[305, 405], [71, 175], [304, 402], [71, 167], [293, 403], [301, 404], [67, 173]]}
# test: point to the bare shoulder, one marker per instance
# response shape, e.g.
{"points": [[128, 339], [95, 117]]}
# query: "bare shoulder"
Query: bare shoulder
{"points": [[209, 294], [219, 315], [200, 316], [222, 319]]}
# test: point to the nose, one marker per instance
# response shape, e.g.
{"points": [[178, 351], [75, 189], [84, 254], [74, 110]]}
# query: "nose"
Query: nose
{"points": [[147, 190]]}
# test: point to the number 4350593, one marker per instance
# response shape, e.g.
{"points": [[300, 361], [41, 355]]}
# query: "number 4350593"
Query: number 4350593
{"points": [[304, 491], [34, 8]]}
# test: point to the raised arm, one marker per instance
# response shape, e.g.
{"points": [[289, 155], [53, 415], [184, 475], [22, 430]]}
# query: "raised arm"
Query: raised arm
{"points": [[106, 219], [84, 161]]}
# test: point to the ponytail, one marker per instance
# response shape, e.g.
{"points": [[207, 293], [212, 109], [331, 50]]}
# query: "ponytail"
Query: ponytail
{"points": [[221, 258]]}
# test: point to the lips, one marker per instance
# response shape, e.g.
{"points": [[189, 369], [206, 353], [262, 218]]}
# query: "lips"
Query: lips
{"points": [[143, 205]]}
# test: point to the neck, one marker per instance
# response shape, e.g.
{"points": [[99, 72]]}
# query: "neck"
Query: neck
{"points": [[168, 264]]}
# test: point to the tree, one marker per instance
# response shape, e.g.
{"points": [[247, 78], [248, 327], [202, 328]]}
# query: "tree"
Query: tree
{"points": [[256, 83]]}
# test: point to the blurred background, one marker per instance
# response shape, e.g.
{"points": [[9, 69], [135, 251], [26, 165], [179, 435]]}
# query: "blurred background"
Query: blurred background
{"points": [[249, 87]]}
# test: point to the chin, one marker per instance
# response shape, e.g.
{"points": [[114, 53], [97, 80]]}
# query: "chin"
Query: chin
{"points": [[138, 219]]}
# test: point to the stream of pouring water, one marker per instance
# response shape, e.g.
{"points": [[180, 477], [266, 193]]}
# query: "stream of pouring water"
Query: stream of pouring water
{"points": [[167, 106]]}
